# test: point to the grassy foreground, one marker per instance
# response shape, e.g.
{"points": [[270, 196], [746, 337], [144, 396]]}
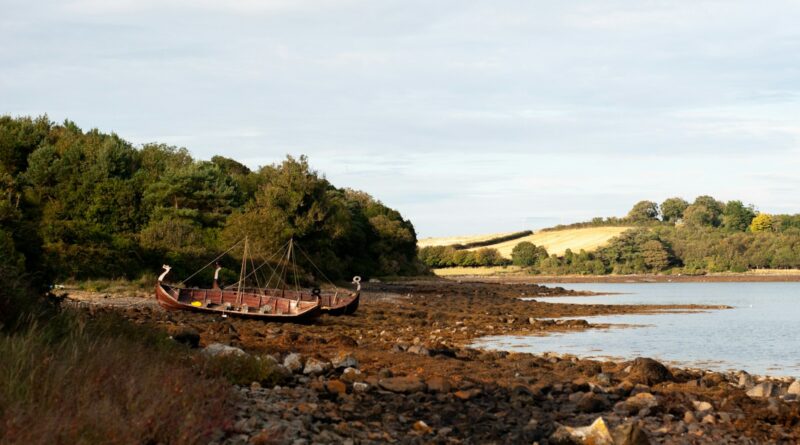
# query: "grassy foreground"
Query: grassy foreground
{"points": [[81, 379]]}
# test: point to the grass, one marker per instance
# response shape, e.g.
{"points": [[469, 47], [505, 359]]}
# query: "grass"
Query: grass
{"points": [[478, 271], [466, 239], [82, 380], [145, 282], [557, 242]]}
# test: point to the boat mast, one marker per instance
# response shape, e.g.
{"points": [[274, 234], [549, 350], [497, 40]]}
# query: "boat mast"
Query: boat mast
{"points": [[242, 274], [288, 257]]}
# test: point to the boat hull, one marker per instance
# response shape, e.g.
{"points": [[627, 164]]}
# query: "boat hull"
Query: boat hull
{"points": [[213, 301]]}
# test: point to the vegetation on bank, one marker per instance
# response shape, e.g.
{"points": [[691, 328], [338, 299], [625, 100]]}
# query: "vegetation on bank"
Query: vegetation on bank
{"points": [[90, 205], [676, 236]]}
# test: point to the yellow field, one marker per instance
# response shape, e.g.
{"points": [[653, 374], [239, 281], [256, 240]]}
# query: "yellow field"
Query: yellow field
{"points": [[557, 242], [481, 271], [449, 241]]}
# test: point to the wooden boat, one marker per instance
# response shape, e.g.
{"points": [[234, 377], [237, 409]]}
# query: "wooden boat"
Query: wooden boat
{"points": [[278, 305], [336, 302]]}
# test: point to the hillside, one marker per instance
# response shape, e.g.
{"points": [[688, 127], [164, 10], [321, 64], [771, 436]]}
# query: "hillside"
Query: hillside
{"points": [[557, 242]]}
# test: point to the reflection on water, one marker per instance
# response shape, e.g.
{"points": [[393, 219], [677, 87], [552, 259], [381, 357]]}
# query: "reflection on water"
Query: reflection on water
{"points": [[759, 334]]}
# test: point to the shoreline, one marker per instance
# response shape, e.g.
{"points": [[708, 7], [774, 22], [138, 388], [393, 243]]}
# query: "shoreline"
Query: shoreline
{"points": [[554, 279], [416, 378]]}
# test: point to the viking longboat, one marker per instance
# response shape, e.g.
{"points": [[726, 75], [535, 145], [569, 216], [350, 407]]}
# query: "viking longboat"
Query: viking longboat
{"points": [[265, 305], [333, 300]]}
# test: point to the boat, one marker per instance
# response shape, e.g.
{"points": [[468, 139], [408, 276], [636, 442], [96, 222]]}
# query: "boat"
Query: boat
{"points": [[266, 305]]}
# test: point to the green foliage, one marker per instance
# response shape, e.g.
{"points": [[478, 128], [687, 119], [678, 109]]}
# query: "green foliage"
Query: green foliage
{"points": [[737, 217], [643, 211], [447, 256], [672, 209], [527, 254]]}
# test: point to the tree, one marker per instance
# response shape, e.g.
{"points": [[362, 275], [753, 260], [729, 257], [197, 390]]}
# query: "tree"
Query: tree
{"points": [[655, 255], [761, 223], [737, 217], [672, 209], [524, 254], [713, 207], [698, 216], [643, 211]]}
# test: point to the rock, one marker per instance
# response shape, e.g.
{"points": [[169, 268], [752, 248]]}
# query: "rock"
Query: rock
{"points": [[688, 417], [315, 366], [405, 385], [336, 387], [702, 406], [591, 403], [220, 350], [467, 394], [763, 390], [187, 336], [352, 375], [293, 362], [648, 371], [596, 434], [746, 380], [343, 360], [438, 384], [709, 418], [603, 379], [418, 349], [630, 434], [639, 404], [794, 388], [360, 387], [422, 427]]}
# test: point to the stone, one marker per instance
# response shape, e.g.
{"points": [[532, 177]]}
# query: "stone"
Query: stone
{"points": [[293, 362], [315, 366], [702, 406], [630, 434], [638, 403], [336, 387], [794, 388], [405, 385], [187, 336], [220, 350], [352, 375], [648, 372], [596, 434], [418, 349], [746, 380], [343, 360], [603, 379], [360, 387], [591, 403], [438, 384], [467, 394], [422, 427], [709, 418], [763, 390], [688, 417]]}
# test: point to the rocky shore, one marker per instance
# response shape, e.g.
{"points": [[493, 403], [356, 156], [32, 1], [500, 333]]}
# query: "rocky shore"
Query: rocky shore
{"points": [[401, 371]]}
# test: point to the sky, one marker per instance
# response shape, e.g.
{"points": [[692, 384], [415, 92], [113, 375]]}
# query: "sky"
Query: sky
{"points": [[467, 116]]}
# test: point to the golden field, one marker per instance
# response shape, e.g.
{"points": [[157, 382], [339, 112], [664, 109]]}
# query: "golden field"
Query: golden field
{"points": [[556, 242]]}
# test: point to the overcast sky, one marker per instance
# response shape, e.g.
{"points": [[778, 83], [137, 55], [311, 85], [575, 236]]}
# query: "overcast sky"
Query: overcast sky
{"points": [[467, 116]]}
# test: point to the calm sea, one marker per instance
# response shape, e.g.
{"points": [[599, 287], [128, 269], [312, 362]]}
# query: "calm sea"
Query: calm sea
{"points": [[760, 335]]}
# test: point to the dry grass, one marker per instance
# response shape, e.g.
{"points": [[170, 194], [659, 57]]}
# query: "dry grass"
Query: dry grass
{"points": [[479, 271], [557, 242], [449, 241], [84, 382], [781, 272]]}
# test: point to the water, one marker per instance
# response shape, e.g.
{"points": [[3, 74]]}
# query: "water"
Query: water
{"points": [[760, 335]]}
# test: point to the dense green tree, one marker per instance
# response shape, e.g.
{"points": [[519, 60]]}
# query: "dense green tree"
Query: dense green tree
{"points": [[524, 254], [655, 255], [737, 217], [697, 215], [672, 209], [643, 211], [713, 207]]}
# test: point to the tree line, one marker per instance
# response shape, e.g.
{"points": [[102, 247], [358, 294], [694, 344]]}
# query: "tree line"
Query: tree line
{"points": [[676, 236], [87, 204]]}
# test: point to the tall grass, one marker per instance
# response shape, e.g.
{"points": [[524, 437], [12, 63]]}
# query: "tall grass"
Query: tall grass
{"points": [[77, 380]]}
